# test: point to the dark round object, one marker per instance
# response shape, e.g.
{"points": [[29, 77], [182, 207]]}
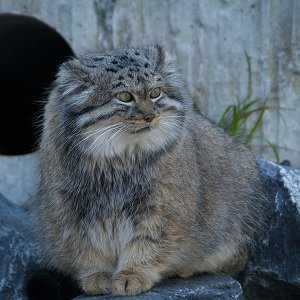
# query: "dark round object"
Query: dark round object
{"points": [[30, 54], [48, 284]]}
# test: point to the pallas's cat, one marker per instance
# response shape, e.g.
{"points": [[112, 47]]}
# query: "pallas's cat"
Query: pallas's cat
{"points": [[136, 186]]}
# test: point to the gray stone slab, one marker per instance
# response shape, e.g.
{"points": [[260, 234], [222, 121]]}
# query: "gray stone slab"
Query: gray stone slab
{"points": [[202, 287]]}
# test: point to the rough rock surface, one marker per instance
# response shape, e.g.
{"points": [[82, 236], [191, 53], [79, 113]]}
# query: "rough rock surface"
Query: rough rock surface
{"points": [[17, 249], [274, 269], [205, 287]]}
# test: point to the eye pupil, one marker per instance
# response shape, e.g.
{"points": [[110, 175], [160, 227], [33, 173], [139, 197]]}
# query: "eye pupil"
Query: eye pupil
{"points": [[124, 96], [155, 93]]}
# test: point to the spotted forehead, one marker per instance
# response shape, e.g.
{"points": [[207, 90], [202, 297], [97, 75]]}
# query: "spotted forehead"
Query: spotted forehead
{"points": [[133, 62], [123, 65]]}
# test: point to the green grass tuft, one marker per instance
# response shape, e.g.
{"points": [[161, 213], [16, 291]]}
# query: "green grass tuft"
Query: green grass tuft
{"points": [[244, 119]]}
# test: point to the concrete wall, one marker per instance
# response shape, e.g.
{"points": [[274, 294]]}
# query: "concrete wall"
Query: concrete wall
{"points": [[208, 39]]}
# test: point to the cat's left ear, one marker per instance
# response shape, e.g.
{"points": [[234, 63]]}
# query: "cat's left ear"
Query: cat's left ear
{"points": [[160, 56], [164, 59]]}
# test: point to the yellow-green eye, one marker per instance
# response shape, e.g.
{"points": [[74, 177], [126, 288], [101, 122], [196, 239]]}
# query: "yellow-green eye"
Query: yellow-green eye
{"points": [[124, 96], [155, 93]]}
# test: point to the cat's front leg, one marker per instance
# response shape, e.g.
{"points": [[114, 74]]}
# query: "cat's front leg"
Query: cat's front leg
{"points": [[151, 254], [139, 267], [133, 281], [95, 274]]}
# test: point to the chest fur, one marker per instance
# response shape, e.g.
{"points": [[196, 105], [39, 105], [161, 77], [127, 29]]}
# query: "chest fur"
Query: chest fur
{"points": [[110, 237], [103, 192]]}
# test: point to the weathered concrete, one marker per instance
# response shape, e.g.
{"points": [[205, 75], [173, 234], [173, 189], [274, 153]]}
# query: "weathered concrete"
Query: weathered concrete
{"points": [[19, 177], [208, 39]]}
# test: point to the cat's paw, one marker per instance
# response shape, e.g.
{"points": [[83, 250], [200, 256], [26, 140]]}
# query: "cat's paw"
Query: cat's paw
{"points": [[97, 284], [185, 273], [131, 283]]}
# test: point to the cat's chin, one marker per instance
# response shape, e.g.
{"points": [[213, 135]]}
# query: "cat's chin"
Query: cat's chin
{"points": [[142, 130], [145, 140]]}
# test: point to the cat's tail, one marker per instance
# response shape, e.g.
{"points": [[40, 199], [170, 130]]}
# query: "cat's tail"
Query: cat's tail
{"points": [[42, 283]]}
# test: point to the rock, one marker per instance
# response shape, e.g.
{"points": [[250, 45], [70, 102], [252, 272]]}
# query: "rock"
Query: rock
{"points": [[18, 250], [202, 287], [274, 268]]}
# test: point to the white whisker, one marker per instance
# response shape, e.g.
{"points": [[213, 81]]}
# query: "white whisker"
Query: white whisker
{"points": [[172, 125], [121, 129], [101, 131], [177, 117]]}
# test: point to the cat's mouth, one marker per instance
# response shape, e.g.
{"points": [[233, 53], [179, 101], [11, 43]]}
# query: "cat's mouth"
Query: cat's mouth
{"points": [[143, 129]]}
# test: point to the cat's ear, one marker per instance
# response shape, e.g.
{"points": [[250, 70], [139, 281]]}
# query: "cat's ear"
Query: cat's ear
{"points": [[71, 77], [160, 55], [72, 70], [163, 58]]}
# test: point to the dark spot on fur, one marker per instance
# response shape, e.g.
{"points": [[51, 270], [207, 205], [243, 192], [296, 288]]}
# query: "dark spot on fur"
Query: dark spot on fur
{"points": [[120, 66], [146, 65], [134, 69], [158, 79], [98, 58], [130, 76], [114, 62], [121, 77], [124, 57], [111, 70], [140, 78], [118, 85], [146, 74], [136, 53], [91, 66], [132, 59]]}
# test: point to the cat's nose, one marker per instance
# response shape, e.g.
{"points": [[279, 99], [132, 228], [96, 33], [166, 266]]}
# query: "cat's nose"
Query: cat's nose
{"points": [[149, 117]]}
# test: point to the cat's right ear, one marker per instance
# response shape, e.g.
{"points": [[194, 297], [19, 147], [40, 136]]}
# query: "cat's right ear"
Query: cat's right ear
{"points": [[72, 70], [71, 76]]}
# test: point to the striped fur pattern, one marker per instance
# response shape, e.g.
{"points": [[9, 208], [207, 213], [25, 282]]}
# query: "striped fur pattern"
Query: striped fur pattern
{"points": [[136, 191]]}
